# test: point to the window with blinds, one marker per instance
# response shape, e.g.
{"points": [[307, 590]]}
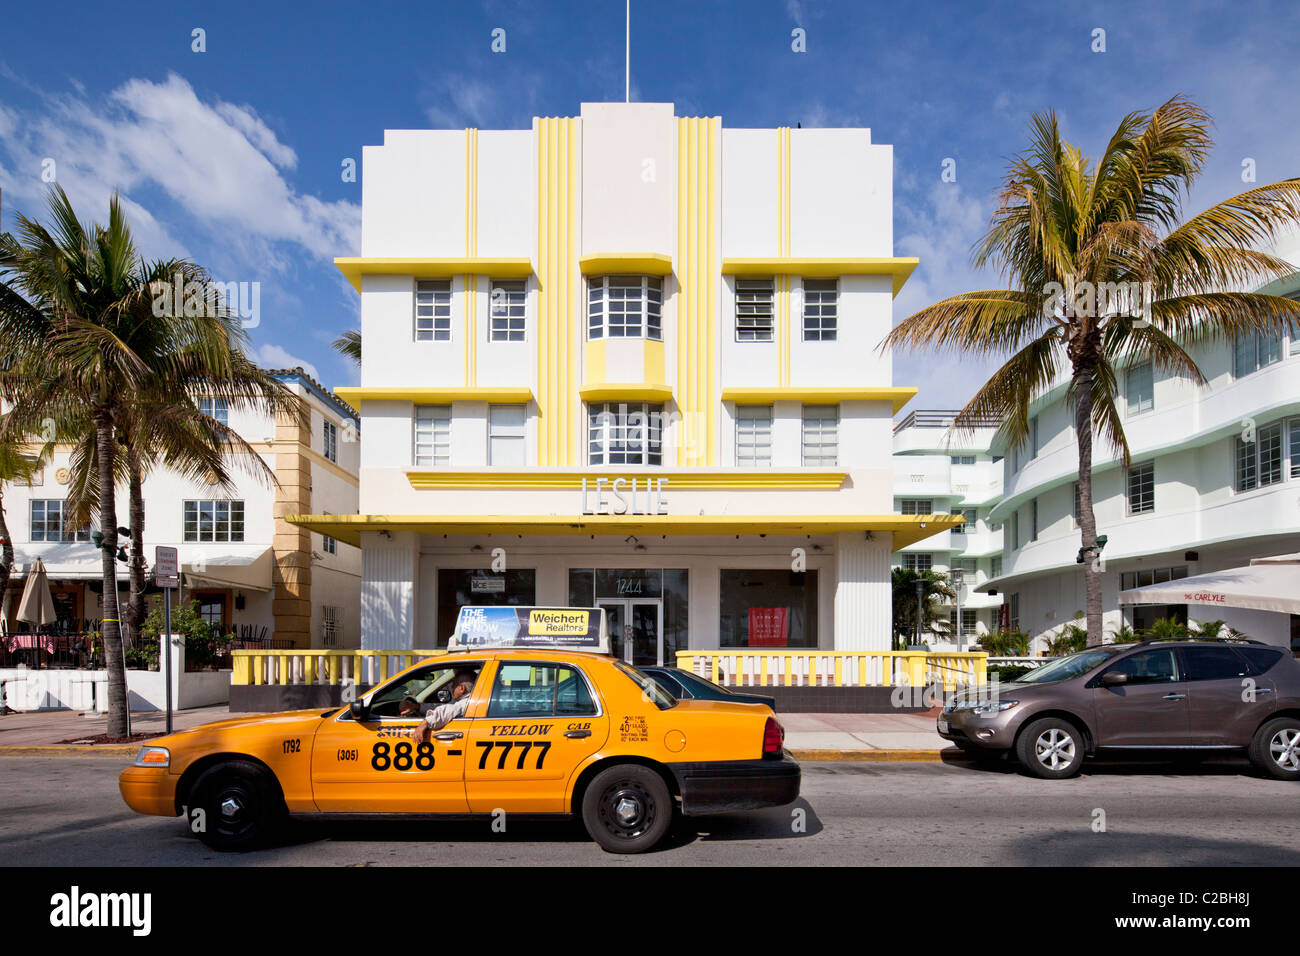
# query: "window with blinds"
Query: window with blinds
{"points": [[754, 310], [753, 435], [821, 425]]}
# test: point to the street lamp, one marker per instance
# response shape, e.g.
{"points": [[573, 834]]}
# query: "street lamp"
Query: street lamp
{"points": [[920, 597], [957, 576]]}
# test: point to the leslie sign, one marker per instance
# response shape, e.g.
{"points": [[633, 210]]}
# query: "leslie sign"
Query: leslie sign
{"points": [[625, 496]]}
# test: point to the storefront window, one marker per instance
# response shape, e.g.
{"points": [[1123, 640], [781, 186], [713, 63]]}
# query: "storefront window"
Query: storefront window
{"points": [[768, 608], [459, 588]]}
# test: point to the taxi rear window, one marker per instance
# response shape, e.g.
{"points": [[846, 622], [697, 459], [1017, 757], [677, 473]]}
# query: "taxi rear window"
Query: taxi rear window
{"points": [[539, 690], [657, 695]]}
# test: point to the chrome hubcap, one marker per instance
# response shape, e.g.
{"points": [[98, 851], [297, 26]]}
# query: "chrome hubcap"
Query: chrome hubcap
{"points": [[230, 807], [1285, 749], [627, 810], [1054, 749]]}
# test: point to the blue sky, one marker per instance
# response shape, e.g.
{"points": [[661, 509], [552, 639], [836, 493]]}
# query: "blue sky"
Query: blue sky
{"points": [[232, 156]]}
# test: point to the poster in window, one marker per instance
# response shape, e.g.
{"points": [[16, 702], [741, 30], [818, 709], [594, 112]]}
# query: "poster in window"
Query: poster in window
{"points": [[769, 627]]}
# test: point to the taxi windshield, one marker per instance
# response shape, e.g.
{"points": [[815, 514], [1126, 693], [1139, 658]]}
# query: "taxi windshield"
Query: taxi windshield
{"points": [[656, 694]]}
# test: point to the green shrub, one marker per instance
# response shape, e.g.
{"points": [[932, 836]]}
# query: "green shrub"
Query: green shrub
{"points": [[204, 644], [1006, 672]]}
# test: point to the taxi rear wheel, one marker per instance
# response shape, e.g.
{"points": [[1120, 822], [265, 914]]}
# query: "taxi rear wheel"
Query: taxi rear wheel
{"points": [[627, 809], [241, 806]]}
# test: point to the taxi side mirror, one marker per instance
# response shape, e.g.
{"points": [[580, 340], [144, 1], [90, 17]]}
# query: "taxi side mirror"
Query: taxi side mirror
{"points": [[358, 710]]}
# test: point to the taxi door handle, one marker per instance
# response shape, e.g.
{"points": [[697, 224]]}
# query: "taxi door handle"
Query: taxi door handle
{"points": [[448, 735], [577, 733]]}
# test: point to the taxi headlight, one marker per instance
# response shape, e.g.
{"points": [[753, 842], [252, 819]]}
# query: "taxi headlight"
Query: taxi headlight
{"points": [[153, 757]]}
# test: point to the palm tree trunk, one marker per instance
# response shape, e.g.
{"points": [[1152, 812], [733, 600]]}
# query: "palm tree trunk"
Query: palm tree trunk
{"points": [[110, 627], [1087, 521], [135, 608]]}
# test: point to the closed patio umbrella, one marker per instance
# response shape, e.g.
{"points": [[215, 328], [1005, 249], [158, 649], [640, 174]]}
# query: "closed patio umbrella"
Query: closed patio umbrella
{"points": [[37, 605], [1266, 584]]}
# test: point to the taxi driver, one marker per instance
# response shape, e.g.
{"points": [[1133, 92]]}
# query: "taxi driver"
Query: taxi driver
{"points": [[440, 716]]}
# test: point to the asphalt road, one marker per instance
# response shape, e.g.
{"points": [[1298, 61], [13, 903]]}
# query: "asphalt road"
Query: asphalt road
{"points": [[67, 812]]}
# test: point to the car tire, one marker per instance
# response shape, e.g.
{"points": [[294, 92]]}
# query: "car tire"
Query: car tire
{"points": [[1051, 748], [627, 808], [242, 806], [1275, 748]]}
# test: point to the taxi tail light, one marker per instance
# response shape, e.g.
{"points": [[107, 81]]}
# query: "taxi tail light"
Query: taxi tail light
{"points": [[773, 737]]}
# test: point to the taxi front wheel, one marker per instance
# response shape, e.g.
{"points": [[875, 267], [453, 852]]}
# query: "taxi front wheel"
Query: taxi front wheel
{"points": [[241, 806], [627, 809]]}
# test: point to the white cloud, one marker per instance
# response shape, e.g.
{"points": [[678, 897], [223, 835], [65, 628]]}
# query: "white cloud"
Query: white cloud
{"points": [[220, 163], [272, 356]]}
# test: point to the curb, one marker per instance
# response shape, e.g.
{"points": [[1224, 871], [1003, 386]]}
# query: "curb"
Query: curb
{"points": [[70, 750], [878, 756]]}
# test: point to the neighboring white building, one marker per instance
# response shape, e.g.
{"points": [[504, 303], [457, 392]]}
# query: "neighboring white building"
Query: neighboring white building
{"points": [[248, 570], [1214, 481], [629, 358], [940, 470]]}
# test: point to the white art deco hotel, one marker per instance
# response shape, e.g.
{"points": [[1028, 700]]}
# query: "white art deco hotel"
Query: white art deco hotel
{"points": [[631, 359]]}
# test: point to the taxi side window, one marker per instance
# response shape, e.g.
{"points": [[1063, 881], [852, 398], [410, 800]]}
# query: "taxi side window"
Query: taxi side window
{"points": [[539, 690], [426, 686]]}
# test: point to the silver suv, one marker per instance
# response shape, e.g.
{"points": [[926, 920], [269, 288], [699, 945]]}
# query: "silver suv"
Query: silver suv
{"points": [[1190, 697]]}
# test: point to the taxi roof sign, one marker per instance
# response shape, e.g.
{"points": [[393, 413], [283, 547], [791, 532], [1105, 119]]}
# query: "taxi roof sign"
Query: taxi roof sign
{"points": [[571, 628]]}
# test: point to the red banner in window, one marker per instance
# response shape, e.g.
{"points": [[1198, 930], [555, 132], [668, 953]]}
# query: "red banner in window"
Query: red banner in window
{"points": [[769, 627]]}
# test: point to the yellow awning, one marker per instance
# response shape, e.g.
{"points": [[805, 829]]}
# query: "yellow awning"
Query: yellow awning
{"points": [[906, 529]]}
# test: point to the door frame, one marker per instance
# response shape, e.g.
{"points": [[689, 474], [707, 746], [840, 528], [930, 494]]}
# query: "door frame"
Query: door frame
{"points": [[626, 604]]}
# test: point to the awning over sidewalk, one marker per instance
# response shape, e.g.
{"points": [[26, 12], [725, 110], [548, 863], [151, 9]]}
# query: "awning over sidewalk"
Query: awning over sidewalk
{"points": [[1266, 584], [906, 529], [247, 567]]}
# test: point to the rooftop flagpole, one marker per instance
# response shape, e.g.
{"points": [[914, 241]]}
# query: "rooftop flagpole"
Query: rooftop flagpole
{"points": [[627, 56]]}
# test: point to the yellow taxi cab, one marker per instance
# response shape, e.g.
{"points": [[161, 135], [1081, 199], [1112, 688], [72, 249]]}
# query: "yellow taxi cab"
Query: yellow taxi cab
{"points": [[554, 725]]}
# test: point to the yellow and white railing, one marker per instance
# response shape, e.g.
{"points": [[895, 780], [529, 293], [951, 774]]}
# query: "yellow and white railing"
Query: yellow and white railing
{"points": [[745, 667], [749, 667], [321, 666]]}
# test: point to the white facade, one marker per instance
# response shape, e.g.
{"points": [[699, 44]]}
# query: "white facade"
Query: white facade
{"points": [[231, 567], [1197, 509], [939, 470], [773, 429]]}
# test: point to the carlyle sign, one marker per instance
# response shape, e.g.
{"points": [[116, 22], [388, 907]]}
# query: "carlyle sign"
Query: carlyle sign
{"points": [[1204, 597], [625, 496]]}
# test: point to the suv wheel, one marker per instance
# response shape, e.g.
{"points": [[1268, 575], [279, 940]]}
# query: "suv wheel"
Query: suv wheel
{"points": [[1050, 748], [1275, 748], [627, 809], [241, 806]]}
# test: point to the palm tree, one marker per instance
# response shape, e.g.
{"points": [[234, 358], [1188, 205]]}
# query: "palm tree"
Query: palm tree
{"points": [[935, 590], [81, 319], [1103, 273], [349, 344]]}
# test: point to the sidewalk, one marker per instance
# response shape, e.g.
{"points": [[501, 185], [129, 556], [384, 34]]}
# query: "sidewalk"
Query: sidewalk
{"points": [[807, 736]]}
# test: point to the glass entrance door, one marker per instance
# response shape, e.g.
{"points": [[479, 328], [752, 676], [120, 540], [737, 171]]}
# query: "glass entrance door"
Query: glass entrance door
{"points": [[638, 622]]}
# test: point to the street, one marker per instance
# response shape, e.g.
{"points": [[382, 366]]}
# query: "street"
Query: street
{"points": [[67, 812]]}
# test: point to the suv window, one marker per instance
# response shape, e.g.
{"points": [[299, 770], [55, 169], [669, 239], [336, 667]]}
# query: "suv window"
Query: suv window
{"points": [[1260, 659], [1155, 666], [1213, 663], [539, 690]]}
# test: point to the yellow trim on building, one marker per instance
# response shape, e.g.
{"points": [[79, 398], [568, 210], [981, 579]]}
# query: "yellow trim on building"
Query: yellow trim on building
{"points": [[821, 395], [900, 267], [354, 395], [653, 363], [697, 301], [906, 529], [354, 267], [640, 263], [687, 480], [559, 344], [625, 391]]}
